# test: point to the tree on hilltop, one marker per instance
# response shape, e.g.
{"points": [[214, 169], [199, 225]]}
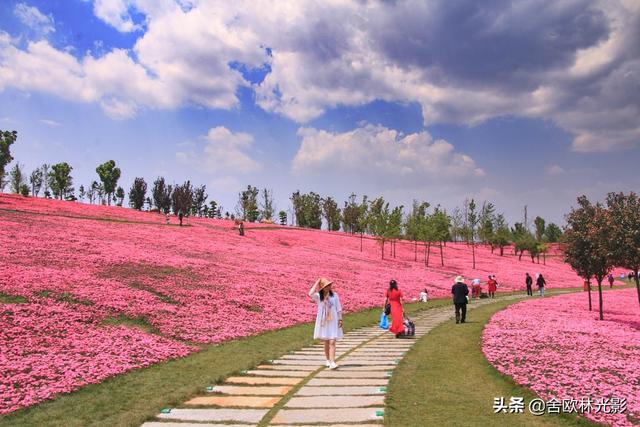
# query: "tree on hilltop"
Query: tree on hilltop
{"points": [[138, 193], [587, 239], [6, 139], [502, 235], [624, 228], [182, 199], [540, 225], [283, 217], [109, 175], [60, 180], [119, 196], [247, 206], [199, 199], [35, 179], [552, 233], [267, 208], [162, 195], [16, 178], [331, 213]]}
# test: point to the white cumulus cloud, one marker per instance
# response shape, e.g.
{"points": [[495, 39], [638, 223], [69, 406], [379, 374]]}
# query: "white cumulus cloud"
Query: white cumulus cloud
{"points": [[31, 16]]}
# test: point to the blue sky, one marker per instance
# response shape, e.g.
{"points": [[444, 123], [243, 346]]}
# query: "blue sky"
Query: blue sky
{"points": [[529, 103]]}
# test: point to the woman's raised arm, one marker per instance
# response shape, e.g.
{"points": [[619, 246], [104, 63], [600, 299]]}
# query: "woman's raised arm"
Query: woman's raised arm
{"points": [[313, 288]]}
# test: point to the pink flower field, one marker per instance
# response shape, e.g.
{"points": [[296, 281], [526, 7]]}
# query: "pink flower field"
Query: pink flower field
{"points": [[558, 348], [80, 268]]}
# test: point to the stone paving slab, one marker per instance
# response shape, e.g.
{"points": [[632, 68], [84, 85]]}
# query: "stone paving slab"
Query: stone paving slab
{"points": [[249, 390], [303, 356], [364, 362], [336, 415], [341, 391], [337, 373], [317, 363], [342, 402], [347, 382], [241, 415], [235, 401], [263, 380], [159, 424], [354, 367], [328, 425], [278, 373], [288, 367]]}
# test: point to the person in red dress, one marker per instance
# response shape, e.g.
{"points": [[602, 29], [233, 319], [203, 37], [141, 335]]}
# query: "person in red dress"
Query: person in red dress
{"points": [[492, 286], [394, 298]]}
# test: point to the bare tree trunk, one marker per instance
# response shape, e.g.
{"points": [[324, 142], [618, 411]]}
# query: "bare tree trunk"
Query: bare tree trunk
{"points": [[383, 249], [544, 258], [473, 251], [589, 292], [361, 237], [441, 255], [520, 257], [501, 250], [428, 252], [416, 252], [600, 296]]}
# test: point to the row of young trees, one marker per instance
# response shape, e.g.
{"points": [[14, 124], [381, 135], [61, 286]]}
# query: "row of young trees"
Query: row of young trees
{"points": [[600, 237]]}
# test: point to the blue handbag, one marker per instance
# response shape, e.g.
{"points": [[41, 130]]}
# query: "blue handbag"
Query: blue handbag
{"points": [[384, 322]]}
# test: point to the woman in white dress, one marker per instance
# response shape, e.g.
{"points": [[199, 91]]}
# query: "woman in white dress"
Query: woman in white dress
{"points": [[329, 318]]}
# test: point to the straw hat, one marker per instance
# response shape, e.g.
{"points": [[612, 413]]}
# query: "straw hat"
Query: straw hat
{"points": [[322, 283], [459, 279]]}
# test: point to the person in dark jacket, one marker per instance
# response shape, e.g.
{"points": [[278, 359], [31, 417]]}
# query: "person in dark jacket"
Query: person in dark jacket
{"points": [[541, 284], [529, 281], [460, 291]]}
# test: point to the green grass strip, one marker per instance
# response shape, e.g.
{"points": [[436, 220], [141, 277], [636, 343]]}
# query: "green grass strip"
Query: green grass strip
{"points": [[446, 380]]}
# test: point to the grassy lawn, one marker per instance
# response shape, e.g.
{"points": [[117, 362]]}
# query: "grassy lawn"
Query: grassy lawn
{"points": [[134, 397], [446, 380]]}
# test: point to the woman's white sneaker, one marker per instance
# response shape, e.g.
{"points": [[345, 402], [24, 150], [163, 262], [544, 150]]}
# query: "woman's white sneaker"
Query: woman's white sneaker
{"points": [[327, 363], [333, 365]]}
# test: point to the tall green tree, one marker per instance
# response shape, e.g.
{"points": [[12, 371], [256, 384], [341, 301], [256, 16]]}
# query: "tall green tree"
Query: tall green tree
{"points": [[414, 224], [247, 206], [109, 175], [472, 222], [624, 226], [552, 233], [540, 225], [331, 213], [138, 193], [35, 179], [182, 199], [81, 193], [486, 222], [199, 199], [7, 138], [283, 217], [60, 180], [162, 195], [587, 238], [267, 209], [440, 226], [16, 178], [119, 196], [350, 214], [45, 179], [502, 235]]}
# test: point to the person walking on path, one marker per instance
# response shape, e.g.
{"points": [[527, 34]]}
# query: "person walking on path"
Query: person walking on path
{"points": [[329, 318], [541, 284], [460, 291], [476, 288], [492, 286], [529, 281], [394, 298], [424, 295], [611, 279]]}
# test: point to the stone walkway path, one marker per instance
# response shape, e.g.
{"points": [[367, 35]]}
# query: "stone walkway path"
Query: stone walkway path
{"points": [[297, 389]]}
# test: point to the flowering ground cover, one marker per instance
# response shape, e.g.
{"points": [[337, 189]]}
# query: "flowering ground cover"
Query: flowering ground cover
{"points": [[560, 349], [187, 285]]}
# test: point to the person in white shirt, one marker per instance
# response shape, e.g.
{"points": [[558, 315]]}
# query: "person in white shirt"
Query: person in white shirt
{"points": [[329, 318], [424, 295]]}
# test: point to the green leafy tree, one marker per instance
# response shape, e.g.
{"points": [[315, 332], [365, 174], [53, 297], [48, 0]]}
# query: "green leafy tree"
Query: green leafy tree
{"points": [[6, 139], [414, 224], [378, 220], [472, 222], [486, 222], [60, 180], [162, 195], [247, 207], [440, 226], [588, 243], [16, 178], [35, 179], [45, 179], [307, 209], [350, 214], [119, 197], [24, 190], [81, 193], [138, 193], [502, 235], [267, 209], [109, 175], [395, 227], [552, 233], [283, 217], [199, 199], [540, 225], [182, 199], [331, 213], [624, 227]]}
